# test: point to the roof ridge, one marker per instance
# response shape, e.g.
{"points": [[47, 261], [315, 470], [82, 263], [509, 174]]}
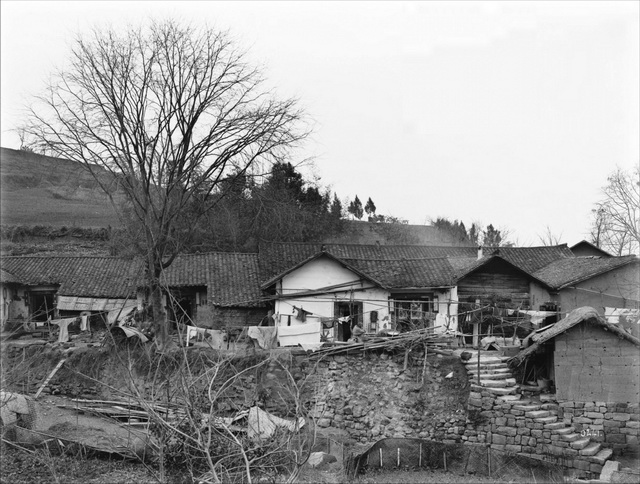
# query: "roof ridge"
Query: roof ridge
{"points": [[65, 257]]}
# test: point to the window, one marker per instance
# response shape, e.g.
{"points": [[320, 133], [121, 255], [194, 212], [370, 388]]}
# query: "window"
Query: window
{"points": [[414, 314]]}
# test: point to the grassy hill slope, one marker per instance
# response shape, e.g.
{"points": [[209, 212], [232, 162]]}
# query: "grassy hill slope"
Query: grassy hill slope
{"points": [[42, 190]]}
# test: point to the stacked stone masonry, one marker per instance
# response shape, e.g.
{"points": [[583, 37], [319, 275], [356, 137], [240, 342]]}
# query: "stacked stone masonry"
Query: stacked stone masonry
{"points": [[373, 397], [576, 435]]}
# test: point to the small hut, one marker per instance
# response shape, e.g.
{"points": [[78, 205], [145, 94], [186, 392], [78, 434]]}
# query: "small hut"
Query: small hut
{"points": [[593, 360]]}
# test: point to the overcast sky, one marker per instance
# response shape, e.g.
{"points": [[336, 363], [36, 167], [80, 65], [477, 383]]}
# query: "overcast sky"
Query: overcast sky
{"points": [[511, 113]]}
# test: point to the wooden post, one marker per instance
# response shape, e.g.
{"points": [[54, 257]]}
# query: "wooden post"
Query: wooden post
{"points": [[424, 365], [476, 330], [380, 456], [478, 367], [420, 457], [46, 382], [489, 460], [444, 456], [406, 359], [398, 461]]}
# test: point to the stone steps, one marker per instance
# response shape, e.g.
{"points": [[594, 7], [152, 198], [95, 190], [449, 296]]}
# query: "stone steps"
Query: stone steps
{"points": [[498, 383], [570, 437], [497, 379], [602, 456], [526, 407], [546, 420], [591, 449], [489, 375], [580, 443], [501, 390], [537, 413], [497, 371], [555, 426]]}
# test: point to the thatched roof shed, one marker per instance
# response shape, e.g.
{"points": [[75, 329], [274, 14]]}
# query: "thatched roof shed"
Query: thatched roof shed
{"points": [[577, 316]]}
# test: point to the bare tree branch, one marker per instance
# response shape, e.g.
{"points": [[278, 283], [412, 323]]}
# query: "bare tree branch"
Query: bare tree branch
{"points": [[168, 111]]}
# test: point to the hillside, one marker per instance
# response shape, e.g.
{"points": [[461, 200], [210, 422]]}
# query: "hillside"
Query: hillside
{"points": [[42, 190], [55, 206]]}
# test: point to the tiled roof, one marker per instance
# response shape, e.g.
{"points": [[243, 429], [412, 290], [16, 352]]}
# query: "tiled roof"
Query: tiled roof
{"points": [[406, 273], [7, 277], [563, 272], [406, 265], [584, 247], [531, 259], [77, 276], [276, 258], [232, 279]]}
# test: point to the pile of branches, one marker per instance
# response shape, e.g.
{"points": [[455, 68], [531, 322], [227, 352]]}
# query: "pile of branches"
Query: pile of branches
{"points": [[419, 339]]}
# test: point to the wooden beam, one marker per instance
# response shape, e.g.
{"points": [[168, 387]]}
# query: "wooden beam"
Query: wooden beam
{"points": [[46, 382]]}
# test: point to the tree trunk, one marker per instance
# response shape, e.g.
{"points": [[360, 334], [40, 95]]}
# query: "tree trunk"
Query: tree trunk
{"points": [[156, 296]]}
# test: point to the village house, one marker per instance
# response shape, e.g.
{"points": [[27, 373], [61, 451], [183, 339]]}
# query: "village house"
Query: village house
{"points": [[597, 281], [52, 287], [586, 248], [319, 291], [211, 290]]}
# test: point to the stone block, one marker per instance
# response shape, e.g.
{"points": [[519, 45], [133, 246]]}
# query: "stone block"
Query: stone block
{"points": [[620, 417], [616, 439], [608, 469], [509, 431], [498, 439], [581, 464], [595, 468], [592, 415], [513, 448], [613, 424], [324, 422], [632, 424]]}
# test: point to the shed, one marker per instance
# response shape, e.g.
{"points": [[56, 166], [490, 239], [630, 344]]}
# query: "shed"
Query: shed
{"points": [[593, 360]]}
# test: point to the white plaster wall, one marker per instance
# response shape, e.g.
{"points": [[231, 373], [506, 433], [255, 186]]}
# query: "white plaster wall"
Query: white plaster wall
{"points": [[17, 308], [322, 273]]}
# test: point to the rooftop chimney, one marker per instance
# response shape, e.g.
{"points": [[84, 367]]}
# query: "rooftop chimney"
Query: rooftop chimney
{"points": [[479, 252]]}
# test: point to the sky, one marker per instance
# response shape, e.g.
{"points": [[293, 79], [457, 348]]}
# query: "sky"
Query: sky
{"points": [[509, 113]]}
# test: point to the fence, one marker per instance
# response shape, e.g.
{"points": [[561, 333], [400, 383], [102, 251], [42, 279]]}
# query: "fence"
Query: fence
{"points": [[478, 459]]}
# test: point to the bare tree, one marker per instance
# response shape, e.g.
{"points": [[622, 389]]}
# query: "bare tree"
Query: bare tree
{"points": [[548, 238], [169, 111], [615, 226]]}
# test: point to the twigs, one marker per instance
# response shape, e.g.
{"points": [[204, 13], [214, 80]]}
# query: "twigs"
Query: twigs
{"points": [[404, 341]]}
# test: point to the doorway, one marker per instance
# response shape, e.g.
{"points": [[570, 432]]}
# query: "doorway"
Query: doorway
{"points": [[41, 305], [346, 313]]}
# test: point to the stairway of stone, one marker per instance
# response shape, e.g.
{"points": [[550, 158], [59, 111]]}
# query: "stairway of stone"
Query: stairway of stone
{"points": [[492, 374]]}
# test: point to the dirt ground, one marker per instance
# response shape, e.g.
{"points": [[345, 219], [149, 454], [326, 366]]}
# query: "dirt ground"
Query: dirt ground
{"points": [[57, 418]]}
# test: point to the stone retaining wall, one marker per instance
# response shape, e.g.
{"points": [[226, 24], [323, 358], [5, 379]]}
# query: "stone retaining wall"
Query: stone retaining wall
{"points": [[509, 426], [615, 424], [372, 397]]}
